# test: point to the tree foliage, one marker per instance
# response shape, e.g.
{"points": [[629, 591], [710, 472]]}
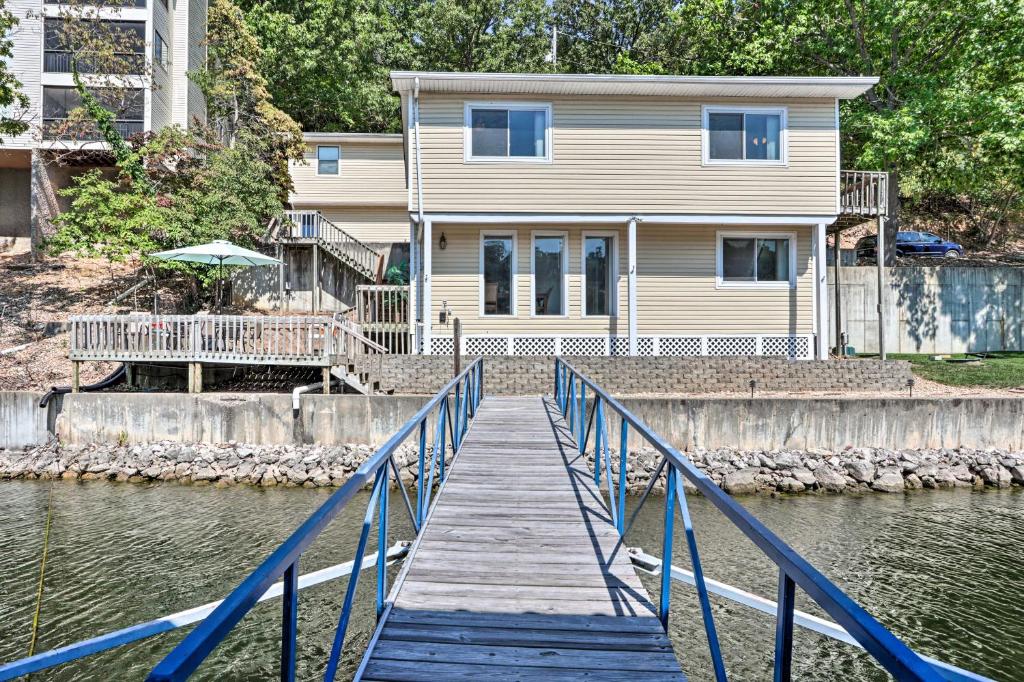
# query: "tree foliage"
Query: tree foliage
{"points": [[947, 117], [12, 99]]}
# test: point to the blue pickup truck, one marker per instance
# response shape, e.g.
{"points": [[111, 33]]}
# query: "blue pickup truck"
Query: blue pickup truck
{"points": [[915, 244]]}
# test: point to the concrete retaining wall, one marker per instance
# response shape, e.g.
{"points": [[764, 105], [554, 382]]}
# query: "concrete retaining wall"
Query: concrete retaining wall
{"points": [[534, 375], [762, 424], [22, 422]]}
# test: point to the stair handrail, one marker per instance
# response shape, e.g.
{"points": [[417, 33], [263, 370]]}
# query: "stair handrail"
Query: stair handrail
{"points": [[450, 427], [329, 234], [353, 338], [570, 391]]}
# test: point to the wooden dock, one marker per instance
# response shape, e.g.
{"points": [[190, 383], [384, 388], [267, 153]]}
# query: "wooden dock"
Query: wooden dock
{"points": [[519, 574]]}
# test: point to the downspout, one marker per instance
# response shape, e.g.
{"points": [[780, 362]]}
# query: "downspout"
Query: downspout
{"points": [[419, 165], [424, 315]]}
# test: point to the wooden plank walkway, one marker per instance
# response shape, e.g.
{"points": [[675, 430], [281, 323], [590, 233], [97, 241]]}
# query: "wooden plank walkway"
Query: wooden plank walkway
{"points": [[519, 574]]}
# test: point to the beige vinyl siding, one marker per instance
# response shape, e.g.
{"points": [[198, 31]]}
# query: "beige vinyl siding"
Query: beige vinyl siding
{"points": [[371, 174], [629, 155], [370, 223], [676, 292]]}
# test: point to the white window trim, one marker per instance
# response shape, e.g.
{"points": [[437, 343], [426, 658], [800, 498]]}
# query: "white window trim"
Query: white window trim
{"points": [[328, 146], [705, 138], [613, 294], [565, 273], [514, 235], [721, 283], [467, 132]]}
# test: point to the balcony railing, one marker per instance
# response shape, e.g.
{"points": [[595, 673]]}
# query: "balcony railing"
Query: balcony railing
{"points": [[141, 4], [59, 61], [863, 193], [56, 128]]}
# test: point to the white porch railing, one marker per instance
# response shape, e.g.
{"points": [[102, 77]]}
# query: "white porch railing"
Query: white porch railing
{"points": [[796, 346]]}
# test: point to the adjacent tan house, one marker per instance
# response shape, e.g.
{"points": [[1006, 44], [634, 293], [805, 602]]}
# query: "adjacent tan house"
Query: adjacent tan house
{"points": [[601, 214]]}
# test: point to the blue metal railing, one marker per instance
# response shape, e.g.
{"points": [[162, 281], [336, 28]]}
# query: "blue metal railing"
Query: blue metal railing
{"points": [[452, 422], [794, 570]]}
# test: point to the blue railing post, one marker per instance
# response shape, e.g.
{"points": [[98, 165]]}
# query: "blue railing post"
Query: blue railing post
{"points": [[607, 454], [353, 581], [457, 429], [784, 628], [698, 580], [446, 419], [599, 418], [382, 545], [583, 416], [289, 622], [623, 453], [666, 546], [571, 399], [558, 381], [419, 481]]}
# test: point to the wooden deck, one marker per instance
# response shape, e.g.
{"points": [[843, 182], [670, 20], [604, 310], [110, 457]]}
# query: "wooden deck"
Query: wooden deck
{"points": [[519, 574]]}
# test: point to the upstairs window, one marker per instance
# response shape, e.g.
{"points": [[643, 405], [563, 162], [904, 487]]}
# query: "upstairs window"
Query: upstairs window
{"points": [[756, 260], [508, 132], [160, 55], [753, 135], [328, 160]]}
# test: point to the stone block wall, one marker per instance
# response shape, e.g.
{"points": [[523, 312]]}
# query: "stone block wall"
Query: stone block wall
{"points": [[534, 375]]}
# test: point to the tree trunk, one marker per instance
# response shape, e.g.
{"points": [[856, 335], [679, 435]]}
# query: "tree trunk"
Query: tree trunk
{"points": [[892, 222]]}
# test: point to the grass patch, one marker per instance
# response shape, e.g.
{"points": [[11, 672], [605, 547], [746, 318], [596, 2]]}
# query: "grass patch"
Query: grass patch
{"points": [[996, 370]]}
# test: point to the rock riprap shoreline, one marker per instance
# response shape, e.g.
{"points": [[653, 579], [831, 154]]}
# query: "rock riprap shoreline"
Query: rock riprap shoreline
{"points": [[737, 472]]}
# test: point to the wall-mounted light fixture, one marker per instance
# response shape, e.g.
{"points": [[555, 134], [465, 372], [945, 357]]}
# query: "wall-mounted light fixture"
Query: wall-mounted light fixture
{"points": [[444, 242]]}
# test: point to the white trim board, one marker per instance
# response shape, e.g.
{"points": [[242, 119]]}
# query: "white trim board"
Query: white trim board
{"points": [[622, 218]]}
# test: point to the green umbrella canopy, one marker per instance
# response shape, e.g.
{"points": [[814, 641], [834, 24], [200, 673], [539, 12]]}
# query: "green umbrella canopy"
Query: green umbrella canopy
{"points": [[218, 252]]}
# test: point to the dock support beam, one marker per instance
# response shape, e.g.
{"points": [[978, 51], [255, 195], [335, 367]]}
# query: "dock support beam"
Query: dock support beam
{"points": [[631, 284], [195, 377], [326, 379], [76, 377]]}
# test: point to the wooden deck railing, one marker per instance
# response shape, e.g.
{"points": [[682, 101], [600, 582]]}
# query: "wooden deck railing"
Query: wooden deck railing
{"points": [[864, 193], [236, 339], [382, 311]]}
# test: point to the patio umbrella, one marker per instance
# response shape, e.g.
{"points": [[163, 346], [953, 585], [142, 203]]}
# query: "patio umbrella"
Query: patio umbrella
{"points": [[218, 252]]}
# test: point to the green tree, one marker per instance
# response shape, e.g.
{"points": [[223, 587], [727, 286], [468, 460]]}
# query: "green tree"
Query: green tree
{"points": [[12, 100], [239, 105]]}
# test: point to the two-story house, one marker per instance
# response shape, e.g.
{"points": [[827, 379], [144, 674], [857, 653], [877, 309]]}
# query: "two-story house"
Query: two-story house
{"points": [[169, 41], [594, 214]]}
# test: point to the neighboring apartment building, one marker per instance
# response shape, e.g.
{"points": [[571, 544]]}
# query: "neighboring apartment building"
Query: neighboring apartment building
{"points": [[597, 214], [171, 42]]}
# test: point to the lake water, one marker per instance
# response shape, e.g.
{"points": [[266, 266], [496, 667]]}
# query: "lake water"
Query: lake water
{"points": [[942, 569]]}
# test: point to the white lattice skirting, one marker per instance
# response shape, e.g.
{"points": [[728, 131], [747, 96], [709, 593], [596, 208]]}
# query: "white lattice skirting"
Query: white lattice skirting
{"points": [[799, 346]]}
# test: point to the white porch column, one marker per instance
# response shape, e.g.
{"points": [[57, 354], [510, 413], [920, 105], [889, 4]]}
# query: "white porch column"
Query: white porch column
{"points": [[821, 290], [631, 284], [428, 248], [414, 301]]}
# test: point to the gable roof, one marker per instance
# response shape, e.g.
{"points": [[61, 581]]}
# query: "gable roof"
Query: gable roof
{"points": [[637, 86]]}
